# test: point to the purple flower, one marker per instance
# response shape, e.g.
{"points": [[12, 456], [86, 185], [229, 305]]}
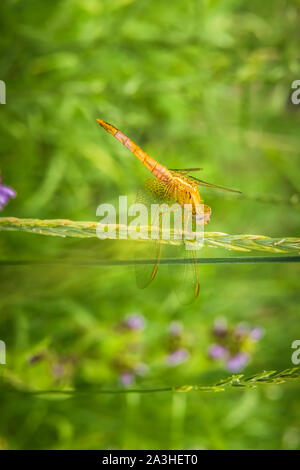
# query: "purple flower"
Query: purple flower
{"points": [[36, 358], [241, 330], [126, 379], [6, 193], [177, 357], [141, 369], [58, 370], [134, 322], [256, 333], [175, 328], [220, 328], [217, 351], [237, 362]]}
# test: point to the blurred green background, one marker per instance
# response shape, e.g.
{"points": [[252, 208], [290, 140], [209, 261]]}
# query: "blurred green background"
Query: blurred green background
{"points": [[195, 83]]}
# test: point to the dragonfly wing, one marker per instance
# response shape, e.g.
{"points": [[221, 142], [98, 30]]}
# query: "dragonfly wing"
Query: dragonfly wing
{"points": [[210, 185], [145, 273], [150, 250], [183, 267], [183, 272], [185, 171]]}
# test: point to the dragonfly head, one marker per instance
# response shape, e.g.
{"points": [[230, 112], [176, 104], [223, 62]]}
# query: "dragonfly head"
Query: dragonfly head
{"points": [[203, 217]]}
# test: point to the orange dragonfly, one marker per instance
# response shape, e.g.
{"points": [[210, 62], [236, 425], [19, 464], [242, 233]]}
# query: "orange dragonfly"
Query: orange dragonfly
{"points": [[170, 184]]}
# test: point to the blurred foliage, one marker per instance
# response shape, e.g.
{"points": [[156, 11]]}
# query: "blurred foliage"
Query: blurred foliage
{"points": [[196, 83]]}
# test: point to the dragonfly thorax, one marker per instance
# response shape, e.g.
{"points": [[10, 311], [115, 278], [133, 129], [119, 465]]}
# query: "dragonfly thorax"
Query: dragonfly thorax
{"points": [[182, 191]]}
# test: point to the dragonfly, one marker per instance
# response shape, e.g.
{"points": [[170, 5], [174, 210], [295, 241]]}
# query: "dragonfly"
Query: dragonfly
{"points": [[170, 185]]}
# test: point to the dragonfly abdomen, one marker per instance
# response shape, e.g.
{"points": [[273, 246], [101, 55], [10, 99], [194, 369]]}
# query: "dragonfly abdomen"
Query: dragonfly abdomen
{"points": [[158, 170]]}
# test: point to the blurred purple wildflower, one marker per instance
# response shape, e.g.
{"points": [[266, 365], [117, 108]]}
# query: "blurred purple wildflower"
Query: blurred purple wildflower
{"points": [[6, 193], [134, 322], [58, 370], [256, 333], [234, 344], [36, 358], [177, 357], [241, 330], [237, 362], [217, 351], [126, 379], [176, 328], [220, 328], [141, 369]]}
